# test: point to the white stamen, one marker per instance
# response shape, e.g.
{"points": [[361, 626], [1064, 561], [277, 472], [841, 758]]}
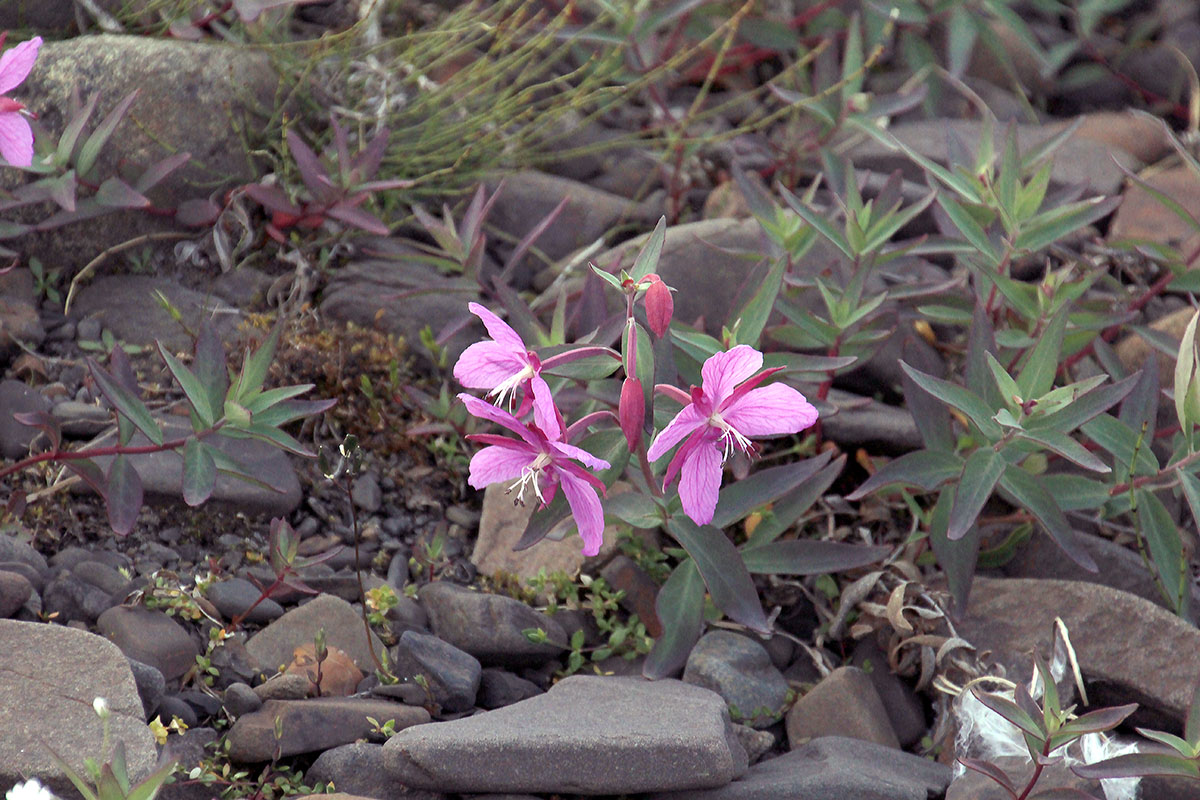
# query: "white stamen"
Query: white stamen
{"points": [[507, 388], [529, 476], [730, 436]]}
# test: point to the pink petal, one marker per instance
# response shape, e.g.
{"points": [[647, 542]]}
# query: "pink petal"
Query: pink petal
{"points": [[488, 411], [699, 483], [545, 415], [16, 140], [770, 411], [497, 328], [579, 454], [686, 421], [499, 463], [585, 507], [16, 63], [723, 371], [486, 365]]}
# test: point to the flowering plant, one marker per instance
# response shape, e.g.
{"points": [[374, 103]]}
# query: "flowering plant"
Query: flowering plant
{"points": [[736, 401]]}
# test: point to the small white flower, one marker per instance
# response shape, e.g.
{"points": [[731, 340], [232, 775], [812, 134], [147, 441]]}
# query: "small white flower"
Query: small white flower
{"points": [[100, 705], [29, 790]]}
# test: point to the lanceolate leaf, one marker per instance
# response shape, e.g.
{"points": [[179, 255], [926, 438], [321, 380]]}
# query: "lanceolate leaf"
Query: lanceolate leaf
{"points": [[765, 486], [1024, 489], [126, 403], [1085, 407], [199, 473], [807, 557], [124, 498], [751, 318], [1037, 376], [981, 471], [254, 368], [1165, 546], [723, 572], [964, 400], [647, 260], [958, 557], [928, 469], [788, 508], [1139, 764], [191, 385], [680, 608], [1066, 447]]}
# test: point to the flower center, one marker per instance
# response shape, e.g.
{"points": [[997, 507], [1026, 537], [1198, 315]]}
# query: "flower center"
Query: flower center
{"points": [[506, 390], [730, 436], [529, 477]]}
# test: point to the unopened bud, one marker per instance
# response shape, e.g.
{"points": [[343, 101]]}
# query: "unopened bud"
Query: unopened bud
{"points": [[632, 411], [659, 308]]}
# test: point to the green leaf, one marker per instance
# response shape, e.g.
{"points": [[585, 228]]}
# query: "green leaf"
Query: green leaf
{"points": [[95, 143], [647, 260], [1165, 546], [1037, 376], [633, 508], [680, 607], [751, 318], [254, 368], [1102, 719], [1117, 438], [787, 509], [197, 393], [765, 486], [1139, 765], [808, 557], [1174, 742], [970, 229], [981, 471], [609, 278], [273, 397], [724, 574], [1009, 390], [1013, 713], [71, 774], [961, 40], [1185, 373], [210, 368], [958, 397], [126, 403], [1024, 490], [819, 222], [957, 557], [927, 469], [124, 497], [1031, 195], [1066, 447], [1046, 229], [150, 785], [66, 142], [1084, 407], [1191, 729], [199, 473], [1075, 492], [931, 416]]}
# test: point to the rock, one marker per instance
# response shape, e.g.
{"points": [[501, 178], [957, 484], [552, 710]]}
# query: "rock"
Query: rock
{"points": [[844, 704], [181, 86], [15, 398], [500, 528], [105, 578], [1134, 133], [971, 785], [19, 322], [15, 589], [489, 626], [233, 663], [289, 686], [34, 576], [366, 493], [71, 599], [151, 685], [358, 769], [1140, 216], [240, 699], [151, 637], [335, 676], [274, 645], [162, 472], [641, 592], [1079, 160], [59, 711], [499, 688], [233, 596], [1140, 665], [863, 421], [756, 743], [126, 305], [451, 675], [1135, 352], [739, 669], [587, 735], [904, 709], [174, 707], [835, 768], [313, 725]]}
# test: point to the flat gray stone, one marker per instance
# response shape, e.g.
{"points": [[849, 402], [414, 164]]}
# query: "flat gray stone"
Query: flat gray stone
{"points": [[834, 768], [844, 703], [49, 676], [739, 669], [15, 398], [587, 735], [126, 305], [151, 637], [274, 646], [451, 674], [357, 769], [489, 626]]}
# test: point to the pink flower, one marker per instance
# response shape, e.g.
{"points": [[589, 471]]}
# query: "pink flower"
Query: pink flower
{"points": [[539, 462], [722, 415], [504, 364], [16, 137]]}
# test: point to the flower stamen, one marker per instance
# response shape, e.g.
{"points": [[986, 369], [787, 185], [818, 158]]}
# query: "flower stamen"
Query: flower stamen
{"points": [[530, 477]]}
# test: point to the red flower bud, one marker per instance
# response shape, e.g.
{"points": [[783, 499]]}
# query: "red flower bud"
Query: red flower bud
{"points": [[632, 411], [659, 308]]}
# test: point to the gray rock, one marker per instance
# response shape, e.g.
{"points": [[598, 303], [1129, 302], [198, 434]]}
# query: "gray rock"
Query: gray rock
{"points": [[740, 670], [179, 85], [59, 711], [313, 725], [162, 473], [102, 576], [587, 735], [15, 589], [240, 699], [34, 576], [233, 596], [288, 686], [1121, 663], [756, 743], [489, 626], [366, 493], [452, 675], [834, 768], [19, 322], [82, 420], [72, 599], [151, 685], [151, 637], [172, 706], [273, 646], [499, 688], [357, 769], [971, 785], [15, 398], [904, 708], [844, 704]]}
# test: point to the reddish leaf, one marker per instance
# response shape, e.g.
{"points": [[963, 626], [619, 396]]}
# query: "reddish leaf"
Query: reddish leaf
{"points": [[124, 497]]}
